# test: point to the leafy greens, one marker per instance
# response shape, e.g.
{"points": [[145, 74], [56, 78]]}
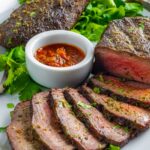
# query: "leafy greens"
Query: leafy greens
{"points": [[99, 13], [24, 1], [18, 79], [113, 147]]}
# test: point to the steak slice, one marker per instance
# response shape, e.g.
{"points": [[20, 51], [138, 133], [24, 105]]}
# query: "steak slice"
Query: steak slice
{"points": [[121, 112], [44, 124], [124, 49], [20, 131], [126, 91], [39, 16], [95, 121], [71, 126]]}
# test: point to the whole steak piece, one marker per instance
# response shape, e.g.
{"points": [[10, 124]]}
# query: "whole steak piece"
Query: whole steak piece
{"points": [[124, 49], [38, 16]]}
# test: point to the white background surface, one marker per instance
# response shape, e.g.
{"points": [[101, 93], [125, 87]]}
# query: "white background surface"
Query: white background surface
{"points": [[142, 142]]}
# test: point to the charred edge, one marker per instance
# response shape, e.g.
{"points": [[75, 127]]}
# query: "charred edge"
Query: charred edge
{"points": [[134, 130], [60, 126], [84, 119], [37, 138], [35, 135], [119, 97]]}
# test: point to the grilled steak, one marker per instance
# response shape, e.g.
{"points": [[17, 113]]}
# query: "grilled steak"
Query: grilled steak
{"points": [[96, 122], [124, 49], [44, 124], [38, 16], [120, 112], [72, 127], [19, 132], [131, 93]]}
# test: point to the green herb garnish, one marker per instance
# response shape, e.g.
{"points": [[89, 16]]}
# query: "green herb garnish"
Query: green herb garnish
{"points": [[141, 26], [113, 147], [126, 129], [94, 104], [18, 79], [33, 14], [24, 1], [64, 103], [83, 105], [101, 78], [97, 90], [117, 127], [10, 105], [96, 17], [2, 129]]}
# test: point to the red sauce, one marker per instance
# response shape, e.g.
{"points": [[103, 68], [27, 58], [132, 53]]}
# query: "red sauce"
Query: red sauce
{"points": [[60, 55]]}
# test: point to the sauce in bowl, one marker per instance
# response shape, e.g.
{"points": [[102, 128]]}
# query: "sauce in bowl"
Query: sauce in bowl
{"points": [[60, 55]]}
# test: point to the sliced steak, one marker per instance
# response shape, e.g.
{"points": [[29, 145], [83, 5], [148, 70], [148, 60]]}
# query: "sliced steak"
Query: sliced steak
{"points": [[44, 124], [137, 94], [20, 131], [39, 16], [124, 49], [95, 121], [72, 127], [120, 112]]}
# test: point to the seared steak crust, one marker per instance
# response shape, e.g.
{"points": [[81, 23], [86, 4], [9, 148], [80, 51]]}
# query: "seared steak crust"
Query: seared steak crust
{"points": [[130, 92], [120, 112], [124, 49], [20, 133], [95, 121], [45, 126], [72, 127], [38, 16], [131, 35]]}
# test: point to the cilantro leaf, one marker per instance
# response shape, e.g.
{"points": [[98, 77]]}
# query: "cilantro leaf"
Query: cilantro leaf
{"points": [[83, 105], [19, 83], [119, 3], [19, 54], [18, 79], [113, 147], [24, 1], [2, 129], [3, 60], [30, 89], [10, 77], [133, 9], [97, 90], [10, 105]]}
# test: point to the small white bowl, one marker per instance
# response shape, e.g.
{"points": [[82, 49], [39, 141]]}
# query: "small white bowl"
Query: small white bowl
{"points": [[59, 77]]}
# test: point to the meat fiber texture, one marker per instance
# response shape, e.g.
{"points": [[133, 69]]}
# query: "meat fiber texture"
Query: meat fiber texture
{"points": [[20, 131], [122, 113], [124, 49], [39, 16], [95, 121], [72, 127], [128, 91], [45, 126]]}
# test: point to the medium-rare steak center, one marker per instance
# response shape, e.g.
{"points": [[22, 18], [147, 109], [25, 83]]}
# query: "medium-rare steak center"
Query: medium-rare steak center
{"points": [[124, 49]]}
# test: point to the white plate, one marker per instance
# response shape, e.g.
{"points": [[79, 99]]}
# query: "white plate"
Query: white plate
{"points": [[6, 7]]}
